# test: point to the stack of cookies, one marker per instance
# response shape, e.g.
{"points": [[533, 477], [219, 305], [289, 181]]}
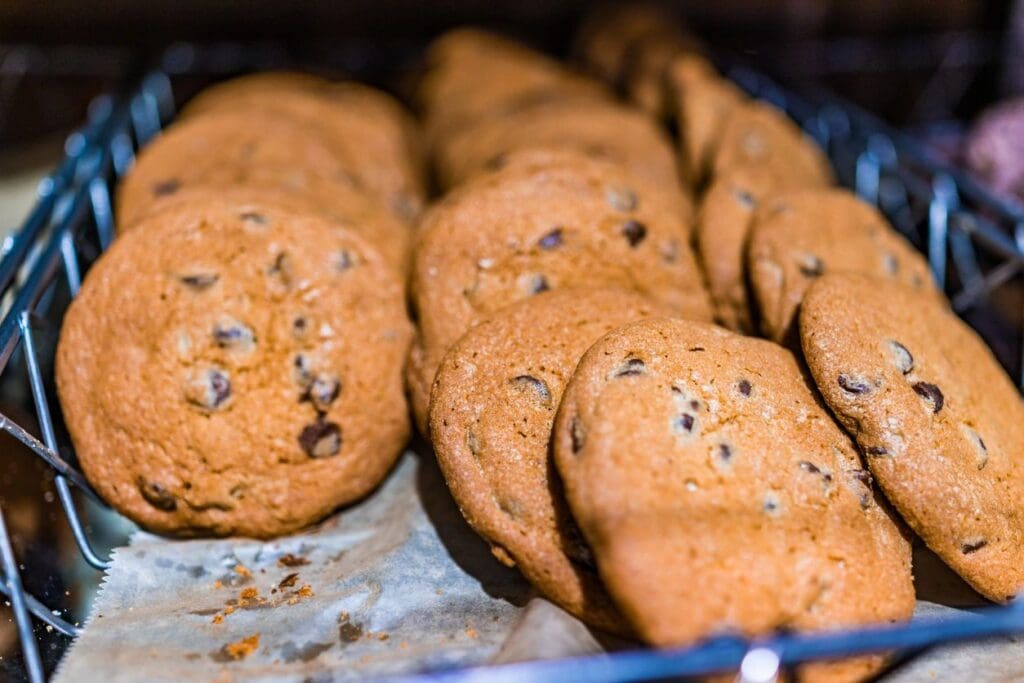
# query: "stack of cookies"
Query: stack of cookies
{"points": [[676, 422], [653, 473], [233, 364]]}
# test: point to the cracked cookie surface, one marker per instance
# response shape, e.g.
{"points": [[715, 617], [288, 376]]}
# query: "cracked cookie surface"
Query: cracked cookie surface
{"points": [[717, 493], [235, 369], [938, 420]]}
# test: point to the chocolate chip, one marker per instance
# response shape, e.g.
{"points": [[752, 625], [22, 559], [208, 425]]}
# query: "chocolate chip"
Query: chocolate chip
{"points": [[576, 434], [300, 326], [281, 268], [496, 162], [811, 468], [344, 261], [302, 370], [634, 232], [973, 546], [772, 505], [854, 385], [684, 423], [930, 393], [901, 357], [537, 386], [890, 263], [859, 481], [166, 187], [811, 266], [551, 240], [876, 451], [320, 439], [156, 495], [538, 284], [199, 281], [620, 198], [723, 453], [632, 366], [694, 349], [979, 446], [253, 217], [743, 386], [208, 389], [744, 198], [322, 391], [230, 333]]}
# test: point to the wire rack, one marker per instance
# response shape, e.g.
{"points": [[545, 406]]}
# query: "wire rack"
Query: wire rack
{"points": [[974, 242]]}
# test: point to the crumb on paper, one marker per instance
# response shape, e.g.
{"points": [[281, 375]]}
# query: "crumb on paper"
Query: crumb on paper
{"points": [[218, 618], [290, 560], [306, 591], [439, 591], [250, 593], [243, 571], [382, 636], [240, 649], [471, 633], [218, 584], [403, 645], [289, 581], [229, 609]]}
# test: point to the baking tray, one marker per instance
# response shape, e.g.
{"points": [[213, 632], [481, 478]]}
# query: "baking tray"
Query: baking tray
{"points": [[974, 242]]}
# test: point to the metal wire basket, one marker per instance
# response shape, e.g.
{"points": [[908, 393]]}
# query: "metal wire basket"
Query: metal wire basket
{"points": [[974, 242]]}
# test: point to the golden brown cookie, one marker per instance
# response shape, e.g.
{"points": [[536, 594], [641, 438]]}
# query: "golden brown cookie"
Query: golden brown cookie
{"points": [[363, 127], [703, 101], [798, 237], [717, 494], [491, 410], [605, 130], [472, 73], [220, 149], [233, 369], [726, 213], [938, 420], [534, 226], [349, 209], [608, 36], [758, 134]]}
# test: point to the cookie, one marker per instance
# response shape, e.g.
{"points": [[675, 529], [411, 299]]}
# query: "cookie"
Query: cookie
{"points": [[349, 209], [702, 101], [362, 127], [609, 35], [230, 148], [800, 236], [234, 369], [471, 73], [606, 130], [717, 494], [534, 226], [758, 134], [491, 410], [938, 420], [723, 223]]}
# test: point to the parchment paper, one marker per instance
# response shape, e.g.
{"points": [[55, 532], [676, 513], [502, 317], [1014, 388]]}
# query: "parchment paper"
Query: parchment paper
{"points": [[398, 584]]}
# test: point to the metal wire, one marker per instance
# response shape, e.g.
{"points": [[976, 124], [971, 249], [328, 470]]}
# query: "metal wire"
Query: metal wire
{"points": [[974, 242]]}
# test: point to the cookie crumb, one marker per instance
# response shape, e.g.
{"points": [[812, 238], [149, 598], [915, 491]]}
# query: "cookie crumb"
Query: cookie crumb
{"points": [[242, 648], [471, 633], [243, 571], [306, 591], [250, 593], [383, 636], [218, 584], [289, 581], [218, 618]]}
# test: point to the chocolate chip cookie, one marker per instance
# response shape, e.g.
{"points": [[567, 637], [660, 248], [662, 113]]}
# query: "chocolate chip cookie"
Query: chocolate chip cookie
{"points": [[349, 209], [225, 148], [605, 130], [363, 127], [530, 227], [717, 494], [471, 73], [800, 236], [491, 411], [702, 102], [723, 223], [235, 370], [939, 422], [758, 134]]}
